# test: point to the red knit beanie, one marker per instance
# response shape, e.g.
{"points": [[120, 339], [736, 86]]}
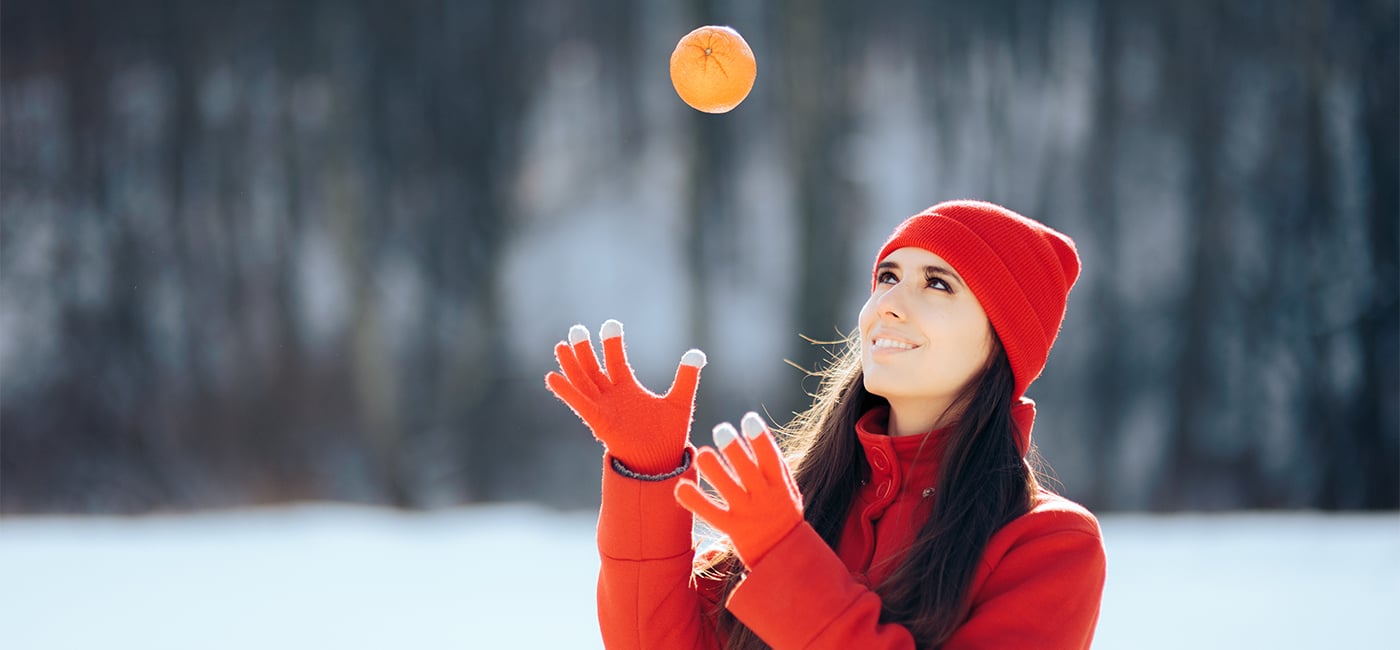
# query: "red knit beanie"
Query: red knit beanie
{"points": [[1020, 270]]}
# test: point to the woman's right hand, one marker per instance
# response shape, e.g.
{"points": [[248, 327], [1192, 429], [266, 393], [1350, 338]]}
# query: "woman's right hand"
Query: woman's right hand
{"points": [[646, 432]]}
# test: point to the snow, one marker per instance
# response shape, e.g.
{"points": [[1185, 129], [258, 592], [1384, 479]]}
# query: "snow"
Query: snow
{"points": [[520, 576]]}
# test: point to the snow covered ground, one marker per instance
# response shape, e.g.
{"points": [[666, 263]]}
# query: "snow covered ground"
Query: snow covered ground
{"points": [[327, 576]]}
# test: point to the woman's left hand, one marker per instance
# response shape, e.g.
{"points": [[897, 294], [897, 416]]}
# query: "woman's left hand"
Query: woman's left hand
{"points": [[759, 502]]}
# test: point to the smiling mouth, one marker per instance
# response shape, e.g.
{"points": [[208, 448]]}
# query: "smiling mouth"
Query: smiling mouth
{"points": [[891, 344]]}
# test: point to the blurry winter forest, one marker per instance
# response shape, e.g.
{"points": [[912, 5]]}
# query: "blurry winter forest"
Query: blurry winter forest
{"points": [[261, 251]]}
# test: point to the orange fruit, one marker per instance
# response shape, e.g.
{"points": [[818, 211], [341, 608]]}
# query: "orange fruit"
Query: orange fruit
{"points": [[713, 69]]}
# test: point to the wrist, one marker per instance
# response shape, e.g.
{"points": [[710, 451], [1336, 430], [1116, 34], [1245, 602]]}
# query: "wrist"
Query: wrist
{"points": [[647, 472]]}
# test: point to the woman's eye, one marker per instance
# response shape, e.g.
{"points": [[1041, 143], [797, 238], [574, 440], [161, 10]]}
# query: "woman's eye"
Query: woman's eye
{"points": [[887, 278], [936, 282]]}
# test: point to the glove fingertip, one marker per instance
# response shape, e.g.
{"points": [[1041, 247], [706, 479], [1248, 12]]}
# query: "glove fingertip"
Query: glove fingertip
{"points": [[752, 425], [552, 378], [578, 334], [611, 329], [685, 491], [724, 435], [694, 358]]}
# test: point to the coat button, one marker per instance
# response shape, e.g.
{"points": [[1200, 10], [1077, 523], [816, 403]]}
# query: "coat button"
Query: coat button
{"points": [[883, 491], [878, 460]]}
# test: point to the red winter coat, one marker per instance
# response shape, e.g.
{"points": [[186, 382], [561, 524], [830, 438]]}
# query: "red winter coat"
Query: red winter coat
{"points": [[1038, 586]]}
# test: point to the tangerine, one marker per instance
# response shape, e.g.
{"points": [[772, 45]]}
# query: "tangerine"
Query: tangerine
{"points": [[713, 69]]}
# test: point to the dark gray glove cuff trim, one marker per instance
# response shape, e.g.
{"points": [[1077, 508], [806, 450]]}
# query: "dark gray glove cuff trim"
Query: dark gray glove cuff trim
{"points": [[622, 469]]}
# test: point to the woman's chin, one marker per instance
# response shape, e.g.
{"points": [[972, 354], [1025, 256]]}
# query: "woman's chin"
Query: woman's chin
{"points": [[876, 383]]}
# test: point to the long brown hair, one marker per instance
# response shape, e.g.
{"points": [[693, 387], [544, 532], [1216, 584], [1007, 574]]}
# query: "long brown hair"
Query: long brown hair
{"points": [[983, 483]]}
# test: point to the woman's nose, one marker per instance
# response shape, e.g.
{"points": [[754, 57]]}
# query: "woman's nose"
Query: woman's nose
{"points": [[891, 303]]}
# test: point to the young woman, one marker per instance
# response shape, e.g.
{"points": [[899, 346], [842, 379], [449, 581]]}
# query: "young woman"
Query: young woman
{"points": [[905, 514]]}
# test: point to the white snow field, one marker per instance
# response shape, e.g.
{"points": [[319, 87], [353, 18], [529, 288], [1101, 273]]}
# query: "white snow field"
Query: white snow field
{"points": [[347, 577]]}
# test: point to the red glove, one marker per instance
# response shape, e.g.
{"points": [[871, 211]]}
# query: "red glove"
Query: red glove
{"points": [[761, 504], [646, 432]]}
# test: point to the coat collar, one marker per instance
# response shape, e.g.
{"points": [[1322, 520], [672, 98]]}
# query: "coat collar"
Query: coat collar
{"points": [[913, 460]]}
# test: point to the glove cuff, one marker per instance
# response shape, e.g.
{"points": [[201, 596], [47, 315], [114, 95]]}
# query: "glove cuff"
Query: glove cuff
{"points": [[625, 471]]}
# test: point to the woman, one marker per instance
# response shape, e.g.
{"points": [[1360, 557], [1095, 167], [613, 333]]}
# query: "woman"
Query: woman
{"points": [[910, 517]]}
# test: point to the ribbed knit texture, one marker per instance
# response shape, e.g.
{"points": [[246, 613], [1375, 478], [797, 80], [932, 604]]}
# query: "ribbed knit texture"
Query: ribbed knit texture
{"points": [[1019, 269], [644, 431]]}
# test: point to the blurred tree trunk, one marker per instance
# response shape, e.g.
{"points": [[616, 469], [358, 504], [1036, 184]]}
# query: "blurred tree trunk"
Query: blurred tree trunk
{"points": [[1107, 373], [817, 48], [1346, 432], [1378, 410], [478, 120], [1193, 75], [351, 191], [101, 329], [1326, 429], [619, 34], [182, 52]]}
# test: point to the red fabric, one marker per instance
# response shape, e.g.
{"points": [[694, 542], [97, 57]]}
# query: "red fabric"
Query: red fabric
{"points": [[1020, 270], [890, 507], [1038, 586], [647, 597], [647, 432], [758, 502]]}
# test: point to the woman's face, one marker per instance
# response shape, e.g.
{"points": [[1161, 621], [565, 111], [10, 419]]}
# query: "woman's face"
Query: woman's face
{"points": [[923, 335]]}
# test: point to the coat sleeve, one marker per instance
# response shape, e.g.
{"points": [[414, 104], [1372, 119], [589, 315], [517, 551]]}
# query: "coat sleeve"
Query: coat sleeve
{"points": [[647, 596], [1041, 591], [800, 595], [1044, 589]]}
